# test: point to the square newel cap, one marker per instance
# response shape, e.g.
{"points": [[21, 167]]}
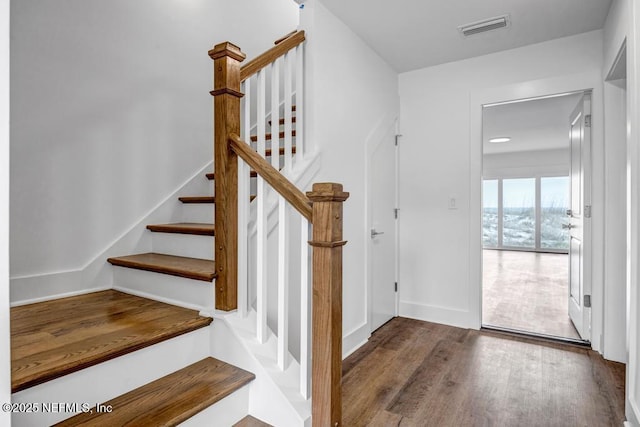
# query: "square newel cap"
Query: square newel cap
{"points": [[227, 49], [327, 192]]}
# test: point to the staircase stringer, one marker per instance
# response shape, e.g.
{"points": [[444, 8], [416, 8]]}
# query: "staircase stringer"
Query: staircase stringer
{"points": [[233, 340]]}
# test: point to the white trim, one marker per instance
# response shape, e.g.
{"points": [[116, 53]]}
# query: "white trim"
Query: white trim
{"points": [[522, 91], [165, 300], [356, 338], [59, 296], [5, 335]]}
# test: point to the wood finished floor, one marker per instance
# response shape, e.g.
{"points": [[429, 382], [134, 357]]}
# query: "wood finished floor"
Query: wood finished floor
{"points": [[414, 373], [527, 291]]}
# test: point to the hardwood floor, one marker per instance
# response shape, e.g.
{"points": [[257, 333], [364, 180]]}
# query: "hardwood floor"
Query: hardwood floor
{"points": [[414, 373], [527, 291]]}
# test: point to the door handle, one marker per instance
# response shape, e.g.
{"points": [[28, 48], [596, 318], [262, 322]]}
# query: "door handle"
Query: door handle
{"points": [[567, 226], [375, 233]]}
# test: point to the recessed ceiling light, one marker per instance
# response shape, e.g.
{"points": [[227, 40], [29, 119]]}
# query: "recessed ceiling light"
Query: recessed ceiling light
{"points": [[500, 139], [484, 25]]}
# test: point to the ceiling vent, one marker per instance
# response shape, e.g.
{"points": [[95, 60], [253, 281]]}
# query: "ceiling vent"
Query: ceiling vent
{"points": [[484, 25]]}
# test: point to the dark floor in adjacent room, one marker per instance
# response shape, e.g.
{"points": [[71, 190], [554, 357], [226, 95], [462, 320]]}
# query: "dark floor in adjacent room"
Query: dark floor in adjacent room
{"points": [[414, 373], [527, 291]]}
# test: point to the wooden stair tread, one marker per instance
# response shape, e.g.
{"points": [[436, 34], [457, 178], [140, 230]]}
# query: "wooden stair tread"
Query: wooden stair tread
{"points": [[281, 121], [192, 268], [170, 400], [267, 152], [250, 421], [200, 229], [54, 338], [197, 199], [268, 136]]}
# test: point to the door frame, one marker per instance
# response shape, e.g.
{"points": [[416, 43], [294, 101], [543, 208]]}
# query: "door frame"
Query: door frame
{"points": [[594, 251], [373, 140]]}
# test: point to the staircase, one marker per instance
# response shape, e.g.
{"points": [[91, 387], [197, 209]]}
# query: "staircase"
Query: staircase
{"points": [[145, 352]]}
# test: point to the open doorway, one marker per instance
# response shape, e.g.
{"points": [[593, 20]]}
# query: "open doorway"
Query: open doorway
{"points": [[534, 157]]}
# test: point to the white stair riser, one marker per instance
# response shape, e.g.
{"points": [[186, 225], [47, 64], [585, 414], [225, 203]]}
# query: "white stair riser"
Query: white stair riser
{"points": [[180, 291], [224, 413], [104, 381], [198, 212], [187, 245]]}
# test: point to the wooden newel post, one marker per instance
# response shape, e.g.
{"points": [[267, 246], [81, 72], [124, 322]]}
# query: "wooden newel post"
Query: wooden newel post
{"points": [[327, 245], [226, 91]]}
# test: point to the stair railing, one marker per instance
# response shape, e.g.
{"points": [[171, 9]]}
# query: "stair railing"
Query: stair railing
{"points": [[321, 208]]}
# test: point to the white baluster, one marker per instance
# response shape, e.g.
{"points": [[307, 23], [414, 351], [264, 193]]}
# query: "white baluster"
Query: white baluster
{"points": [[275, 114], [261, 220], [300, 103], [283, 284], [243, 206], [305, 311], [287, 112]]}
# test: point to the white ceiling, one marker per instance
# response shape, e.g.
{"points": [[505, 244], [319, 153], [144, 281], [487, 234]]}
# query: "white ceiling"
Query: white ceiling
{"points": [[413, 34], [539, 124]]}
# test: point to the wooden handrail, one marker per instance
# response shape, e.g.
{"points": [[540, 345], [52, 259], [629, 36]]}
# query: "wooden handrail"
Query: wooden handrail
{"points": [[258, 63], [270, 174], [283, 38]]}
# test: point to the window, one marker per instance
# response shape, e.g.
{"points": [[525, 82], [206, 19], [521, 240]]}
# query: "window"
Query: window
{"points": [[519, 213], [525, 213], [554, 202], [490, 213]]}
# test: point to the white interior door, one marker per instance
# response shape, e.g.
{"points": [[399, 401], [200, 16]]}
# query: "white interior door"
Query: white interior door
{"points": [[382, 233], [578, 216]]}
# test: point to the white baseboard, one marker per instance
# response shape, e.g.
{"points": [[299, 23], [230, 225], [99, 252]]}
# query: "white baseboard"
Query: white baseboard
{"points": [[443, 315], [632, 413], [355, 339]]}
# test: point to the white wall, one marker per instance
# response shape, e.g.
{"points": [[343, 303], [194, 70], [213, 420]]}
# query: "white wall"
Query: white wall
{"points": [[441, 158], [5, 368], [526, 163], [351, 90], [111, 113]]}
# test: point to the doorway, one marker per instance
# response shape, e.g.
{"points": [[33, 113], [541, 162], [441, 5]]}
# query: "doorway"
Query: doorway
{"points": [[534, 186]]}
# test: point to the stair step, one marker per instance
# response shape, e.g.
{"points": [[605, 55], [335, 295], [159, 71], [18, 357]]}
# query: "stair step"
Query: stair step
{"points": [[281, 121], [198, 199], [254, 138], [200, 229], [267, 152], [54, 338], [192, 268], [250, 421], [172, 399]]}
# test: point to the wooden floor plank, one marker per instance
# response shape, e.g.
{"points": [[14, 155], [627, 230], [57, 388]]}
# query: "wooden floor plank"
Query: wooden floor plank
{"points": [[250, 421], [192, 268], [54, 338], [169, 400], [540, 279], [415, 373]]}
